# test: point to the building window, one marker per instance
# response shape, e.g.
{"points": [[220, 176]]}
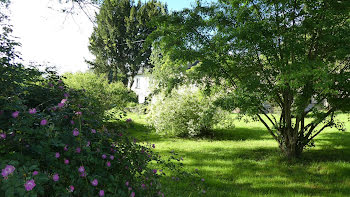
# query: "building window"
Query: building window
{"points": [[138, 83]]}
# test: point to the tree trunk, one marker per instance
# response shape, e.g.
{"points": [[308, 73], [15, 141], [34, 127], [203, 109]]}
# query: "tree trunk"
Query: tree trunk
{"points": [[291, 147]]}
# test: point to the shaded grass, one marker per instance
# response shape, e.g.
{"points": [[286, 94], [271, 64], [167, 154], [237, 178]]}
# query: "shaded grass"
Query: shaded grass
{"points": [[245, 161]]}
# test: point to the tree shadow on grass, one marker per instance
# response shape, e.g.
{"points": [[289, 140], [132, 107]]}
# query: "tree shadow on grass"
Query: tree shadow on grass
{"points": [[237, 134], [330, 147], [263, 171]]}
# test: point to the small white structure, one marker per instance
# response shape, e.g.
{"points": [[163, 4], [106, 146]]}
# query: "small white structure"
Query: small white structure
{"points": [[141, 87]]}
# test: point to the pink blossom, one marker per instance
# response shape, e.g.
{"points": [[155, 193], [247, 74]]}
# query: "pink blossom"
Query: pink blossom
{"points": [[202, 180], [94, 182], [83, 174], [71, 188], [7, 170], [43, 122], [155, 171], [60, 87], [128, 120], [65, 148], [72, 122], [101, 193], [59, 81], [78, 150], [127, 183], [55, 177], [3, 135], [35, 173], [104, 156], [66, 95], [78, 113], [66, 161], [132, 194], [88, 143], [81, 169], [75, 132], [111, 157], [15, 114], [108, 164], [60, 105], [93, 131], [29, 185], [129, 188], [32, 111], [143, 186], [57, 155], [54, 108]]}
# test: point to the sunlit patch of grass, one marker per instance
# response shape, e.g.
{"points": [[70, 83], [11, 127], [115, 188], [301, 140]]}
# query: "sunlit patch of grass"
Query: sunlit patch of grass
{"points": [[245, 161]]}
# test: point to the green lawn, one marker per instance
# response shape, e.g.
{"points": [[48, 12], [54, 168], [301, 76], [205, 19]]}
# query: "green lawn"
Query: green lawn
{"points": [[245, 161]]}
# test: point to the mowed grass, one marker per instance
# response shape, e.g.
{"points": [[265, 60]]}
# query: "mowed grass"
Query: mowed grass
{"points": [[245, 161]]}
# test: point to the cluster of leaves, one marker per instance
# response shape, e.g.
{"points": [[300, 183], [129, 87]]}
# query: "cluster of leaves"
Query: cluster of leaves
{"points": [[104, 97], [185, 112], [118, 41]]}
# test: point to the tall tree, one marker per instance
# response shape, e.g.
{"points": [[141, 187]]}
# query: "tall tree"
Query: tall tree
{"points": [[286, 53], [118, 41]]}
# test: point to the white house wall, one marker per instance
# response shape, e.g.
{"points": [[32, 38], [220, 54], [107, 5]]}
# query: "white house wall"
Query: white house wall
{"points": [[141, 87]]}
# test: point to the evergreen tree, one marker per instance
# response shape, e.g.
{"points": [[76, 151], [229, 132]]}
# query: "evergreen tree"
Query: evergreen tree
{"points": [[118, 41]]}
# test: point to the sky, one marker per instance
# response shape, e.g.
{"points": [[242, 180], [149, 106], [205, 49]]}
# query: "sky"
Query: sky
{"points": [[51, 37]]}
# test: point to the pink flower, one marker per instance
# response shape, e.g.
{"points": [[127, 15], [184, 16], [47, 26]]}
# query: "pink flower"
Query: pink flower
{"points": [[3, 135], [75, 132], [129, 188], [63, 100], [53, 108], [127, 183], [66, 161], [111, 157], [15, 114], [94, 182], [108, 164], [93, 131], [155, 171], [29, 185], [55, 177], [72, 122], [57, 155], [83, 174], [60, 87], [32, 111], [60, 105], [71, 188], [81, 169], [104, 156], [128, 120], [143, 186], [78, 150], [78, 113], [132, 194], [35, 173], [7, 170], [101, 193], [43, 122], [66, 95], [202, 180], [88, 143], [65, 148]]}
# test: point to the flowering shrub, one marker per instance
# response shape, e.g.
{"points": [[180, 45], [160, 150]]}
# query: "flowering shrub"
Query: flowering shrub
{"points": [[59, 151], [184, 113]]}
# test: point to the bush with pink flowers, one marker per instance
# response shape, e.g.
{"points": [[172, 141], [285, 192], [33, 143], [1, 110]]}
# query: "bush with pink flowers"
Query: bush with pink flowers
{"points": [[53, 143]]}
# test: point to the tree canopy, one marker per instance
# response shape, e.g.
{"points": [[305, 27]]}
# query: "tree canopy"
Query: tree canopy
{"points": [[285, 53], [118, 41]]}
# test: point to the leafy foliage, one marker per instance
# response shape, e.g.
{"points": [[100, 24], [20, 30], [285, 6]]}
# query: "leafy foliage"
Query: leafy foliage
{"points": [[118, 41], [286, 53], [103, 96], [186, 112]]}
